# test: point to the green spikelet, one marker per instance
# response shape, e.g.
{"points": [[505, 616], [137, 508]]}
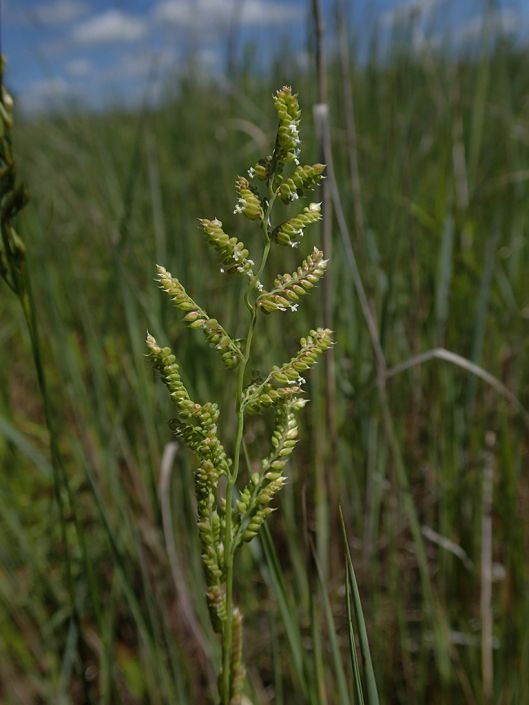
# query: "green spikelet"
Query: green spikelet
{"points": [[6, 104], [303, 179], [311, 347], [209, 528], [291, 231], [288, 142], [232, 252], [262, 170], [196, 317], [288, 288], [199, 432], [196, 424], [248, 203], [264, 396], [217, 606], [255, 500], [13, 197], [165, 362]]}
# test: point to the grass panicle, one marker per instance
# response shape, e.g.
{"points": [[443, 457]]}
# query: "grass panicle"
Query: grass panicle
{"points": [[225, 523]]}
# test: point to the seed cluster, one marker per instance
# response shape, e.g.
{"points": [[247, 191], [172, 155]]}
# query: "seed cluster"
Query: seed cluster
{"points": [[13, 196], [288, 288], [303, 178], [288, 142], [255, 501], [195, 317], [225, 521], [248, 203], [311, 347], [292, 231], [232, 252]]}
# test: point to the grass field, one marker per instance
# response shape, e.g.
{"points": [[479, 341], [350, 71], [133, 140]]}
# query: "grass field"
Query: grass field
{"points": [[429, 463]]}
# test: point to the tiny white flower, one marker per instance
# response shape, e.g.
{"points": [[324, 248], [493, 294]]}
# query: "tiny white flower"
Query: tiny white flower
{"points": [[294, 307], [295, 196], [259, 286], [216, 221], [221, 270], [293, 243], [301, 380], [315, 206], [236, 255], [251, 172]]}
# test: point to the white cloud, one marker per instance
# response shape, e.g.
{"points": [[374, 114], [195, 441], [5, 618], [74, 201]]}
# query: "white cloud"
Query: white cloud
{"points": [[141, 65], [42, 95], [195, 15], [78, 67], [499, 22], [110, 26], [409, 10], [60, 11]]}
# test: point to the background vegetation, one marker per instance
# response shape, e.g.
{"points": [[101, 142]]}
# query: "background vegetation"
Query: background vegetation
{"points": [[427, 463]]}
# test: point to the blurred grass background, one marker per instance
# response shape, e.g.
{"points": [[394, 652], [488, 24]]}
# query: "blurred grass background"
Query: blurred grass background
{"points": [[442, 144]]}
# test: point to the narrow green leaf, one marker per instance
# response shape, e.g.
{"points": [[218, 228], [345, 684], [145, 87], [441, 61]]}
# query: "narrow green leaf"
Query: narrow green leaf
{"points": [[371, 685]]}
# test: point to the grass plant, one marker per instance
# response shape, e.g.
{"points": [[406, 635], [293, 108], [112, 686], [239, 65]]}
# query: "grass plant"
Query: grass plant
{"points": [[440, 170], [227, 522]]}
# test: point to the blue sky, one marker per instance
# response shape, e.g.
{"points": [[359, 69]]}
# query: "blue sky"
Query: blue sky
{"points": [[107, 50]]}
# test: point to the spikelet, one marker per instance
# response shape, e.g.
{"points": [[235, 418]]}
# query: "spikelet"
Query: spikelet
{"points": [[209, 528], [232, 252], [288, 142], [289, 287], [303, 179], [199, 432], [6, 104], [166, 364], [217, 606], [258, 398], [248, 203], [196, 424], [196, 317], [254, 501], [311, 347], [13, 196], [201, 436], [291, 231], [262, 170]]}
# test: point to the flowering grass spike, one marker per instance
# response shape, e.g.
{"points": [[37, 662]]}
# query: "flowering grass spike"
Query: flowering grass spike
{"points": [[13, 198], [229, 517]]}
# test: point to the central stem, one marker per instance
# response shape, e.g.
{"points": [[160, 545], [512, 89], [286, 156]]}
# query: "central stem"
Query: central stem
{"points": [[229, 548]]}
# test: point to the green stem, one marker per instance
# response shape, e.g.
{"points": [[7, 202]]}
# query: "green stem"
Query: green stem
{"points": [[229, 546], [60, 480]]}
